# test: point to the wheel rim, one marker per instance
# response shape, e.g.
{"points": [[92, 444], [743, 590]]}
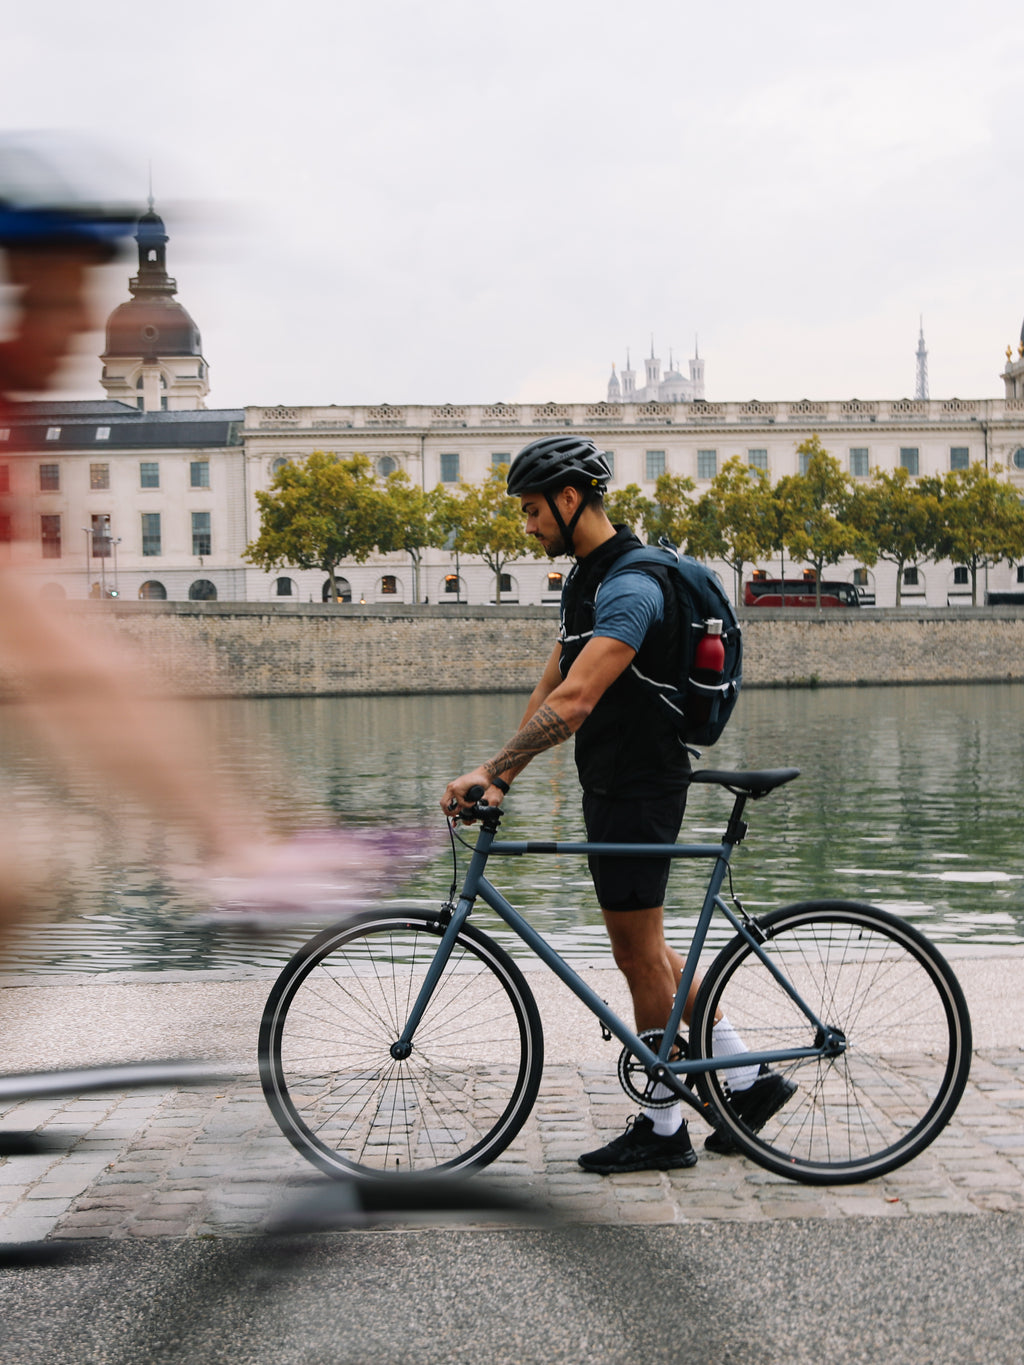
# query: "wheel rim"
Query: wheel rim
{"points": [[329, 1062], [891, 1089]]}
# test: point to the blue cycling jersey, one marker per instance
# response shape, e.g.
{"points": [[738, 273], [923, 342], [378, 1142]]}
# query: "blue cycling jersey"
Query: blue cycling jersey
{"points": [[627, 607]]}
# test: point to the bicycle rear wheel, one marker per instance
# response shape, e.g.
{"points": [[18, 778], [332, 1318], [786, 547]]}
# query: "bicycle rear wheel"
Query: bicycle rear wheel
{"points": [[328, 1074], [904, 1018]]}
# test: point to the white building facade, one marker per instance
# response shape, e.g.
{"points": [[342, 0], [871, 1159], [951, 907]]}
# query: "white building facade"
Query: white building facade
{"points": [[446, 443], [147, 494]]}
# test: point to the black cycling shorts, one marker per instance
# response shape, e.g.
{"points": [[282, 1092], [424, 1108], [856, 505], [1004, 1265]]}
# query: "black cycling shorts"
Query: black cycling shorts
{"points": [[632, 883]]}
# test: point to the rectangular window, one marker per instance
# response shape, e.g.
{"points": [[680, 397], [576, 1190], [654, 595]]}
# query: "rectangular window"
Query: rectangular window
{"points": [[959, 457], [199, 474], [5, 478], [49, 478], [910, 578], [909, 459], [101, 535], [609, 455], [149, 474], [654, 465], [103, 433], [758, 459], [500, 459], [804, 462], [202, 538], [1020, 573], [859, 462], [50, 530], [151, 533], [960, 575], [450, 468], [99, 476], [53, 433], [707, 464]]}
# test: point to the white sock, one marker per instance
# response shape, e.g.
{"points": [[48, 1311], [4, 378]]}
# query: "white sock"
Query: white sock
{"points": [[726, 1042], [666, 1121]]}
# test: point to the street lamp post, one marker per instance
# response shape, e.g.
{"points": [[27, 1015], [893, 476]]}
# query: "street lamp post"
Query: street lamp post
{"points": [[88, 543]]}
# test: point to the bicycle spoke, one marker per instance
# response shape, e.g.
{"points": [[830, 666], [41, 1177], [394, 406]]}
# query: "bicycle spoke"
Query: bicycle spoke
{"points": [[907, 1040], [330, 1075]]}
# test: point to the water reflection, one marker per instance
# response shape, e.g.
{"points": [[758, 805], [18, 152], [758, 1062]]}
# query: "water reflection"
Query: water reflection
{"points": [[909, 798]]}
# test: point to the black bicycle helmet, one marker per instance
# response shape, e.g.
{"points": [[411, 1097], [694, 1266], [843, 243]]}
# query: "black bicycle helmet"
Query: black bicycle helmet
{"points": [[58, 189], [554, 462]]}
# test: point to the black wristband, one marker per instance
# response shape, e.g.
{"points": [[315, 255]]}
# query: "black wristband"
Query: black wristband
{"points": [[503, 787]]}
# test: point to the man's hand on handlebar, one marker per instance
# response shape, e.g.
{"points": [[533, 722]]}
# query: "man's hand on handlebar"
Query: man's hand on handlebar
{"points": [[463, 794]]}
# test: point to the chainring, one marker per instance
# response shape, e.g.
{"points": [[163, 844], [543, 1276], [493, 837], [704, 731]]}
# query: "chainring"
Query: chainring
{"points": [[633, 1077]]}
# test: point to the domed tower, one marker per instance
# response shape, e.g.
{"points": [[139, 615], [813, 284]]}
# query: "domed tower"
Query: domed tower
{"points": [[154, 354]]}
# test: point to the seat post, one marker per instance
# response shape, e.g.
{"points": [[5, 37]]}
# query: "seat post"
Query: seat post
{"points": [[736, 829]]}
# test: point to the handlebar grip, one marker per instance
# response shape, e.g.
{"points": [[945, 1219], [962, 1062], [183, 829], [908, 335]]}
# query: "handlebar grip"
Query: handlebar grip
{"points": [[474, 794]]}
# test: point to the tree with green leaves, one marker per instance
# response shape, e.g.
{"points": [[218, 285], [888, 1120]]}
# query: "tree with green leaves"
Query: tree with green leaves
{"points": [[673, 508], [411, 520], [488, 523], [814, 512], [317, 513], [900, 518], [741, 525], [981, 519], [629, 507]]}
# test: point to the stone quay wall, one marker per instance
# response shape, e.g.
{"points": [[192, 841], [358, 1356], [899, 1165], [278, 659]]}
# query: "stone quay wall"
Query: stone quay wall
{"points": [[228, 649]]}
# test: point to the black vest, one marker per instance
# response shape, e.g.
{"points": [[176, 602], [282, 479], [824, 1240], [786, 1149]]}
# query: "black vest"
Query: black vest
{"points": [[625, 749]]}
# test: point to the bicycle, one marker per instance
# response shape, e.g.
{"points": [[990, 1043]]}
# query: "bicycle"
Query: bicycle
{"points": [[409, 1041]]}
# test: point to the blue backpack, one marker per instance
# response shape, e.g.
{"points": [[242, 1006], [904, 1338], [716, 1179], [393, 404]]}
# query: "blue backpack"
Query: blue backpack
{"points": [[693, 595]]}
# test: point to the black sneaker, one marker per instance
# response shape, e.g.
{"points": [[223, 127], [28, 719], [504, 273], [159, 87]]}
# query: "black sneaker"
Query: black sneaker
{"points": [[641, 1149], [754, 1106]]}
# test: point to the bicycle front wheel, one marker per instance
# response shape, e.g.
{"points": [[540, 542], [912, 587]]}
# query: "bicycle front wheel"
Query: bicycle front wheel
{"points": [[897, 1004], [340, 1096]]}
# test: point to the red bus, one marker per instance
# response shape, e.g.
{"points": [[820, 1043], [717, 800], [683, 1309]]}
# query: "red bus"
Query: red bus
{"points": [[761, 591]]}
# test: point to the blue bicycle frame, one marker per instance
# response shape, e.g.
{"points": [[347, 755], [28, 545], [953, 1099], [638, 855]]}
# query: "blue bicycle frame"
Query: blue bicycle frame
{"points": [[659, 1065]]}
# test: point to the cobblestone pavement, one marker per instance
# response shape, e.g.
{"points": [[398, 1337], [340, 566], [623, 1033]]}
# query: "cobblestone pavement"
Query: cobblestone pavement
{"points": [[212, 1162]]}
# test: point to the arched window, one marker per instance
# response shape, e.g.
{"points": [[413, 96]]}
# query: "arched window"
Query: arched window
{"points": [[202, 590], [388, 585], [344, 590], [453, 585], [152, 591], [284, 587], [554, 583], [277, 463]]}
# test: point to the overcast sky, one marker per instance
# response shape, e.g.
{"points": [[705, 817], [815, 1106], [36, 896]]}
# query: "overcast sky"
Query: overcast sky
{"points": [[468, 201]]}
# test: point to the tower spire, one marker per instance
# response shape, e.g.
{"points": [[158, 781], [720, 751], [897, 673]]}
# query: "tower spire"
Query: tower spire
{"points": [[921, 388]]}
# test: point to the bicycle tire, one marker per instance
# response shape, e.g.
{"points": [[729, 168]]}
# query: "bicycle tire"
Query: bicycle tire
{"points": [[341, 1098], [908, 1040]]}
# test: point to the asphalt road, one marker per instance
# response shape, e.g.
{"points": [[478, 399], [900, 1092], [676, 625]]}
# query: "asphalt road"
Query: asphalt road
{"points": [[939, 1289]]}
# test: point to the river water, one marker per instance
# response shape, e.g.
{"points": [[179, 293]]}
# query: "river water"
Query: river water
{"points": [[909, 798]]}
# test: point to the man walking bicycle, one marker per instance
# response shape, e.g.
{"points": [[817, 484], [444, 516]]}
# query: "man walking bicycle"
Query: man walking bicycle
{"points": [[632, 763]]}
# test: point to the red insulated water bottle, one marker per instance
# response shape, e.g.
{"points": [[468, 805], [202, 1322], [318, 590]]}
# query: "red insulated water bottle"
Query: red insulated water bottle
{"points": [[708, 669]]}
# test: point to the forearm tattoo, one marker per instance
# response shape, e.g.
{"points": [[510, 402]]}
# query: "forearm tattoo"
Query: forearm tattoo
{"points": [[543, 730]]}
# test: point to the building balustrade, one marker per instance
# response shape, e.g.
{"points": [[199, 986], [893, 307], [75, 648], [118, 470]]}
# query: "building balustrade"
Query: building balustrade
{"points": [[753, 413]]}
